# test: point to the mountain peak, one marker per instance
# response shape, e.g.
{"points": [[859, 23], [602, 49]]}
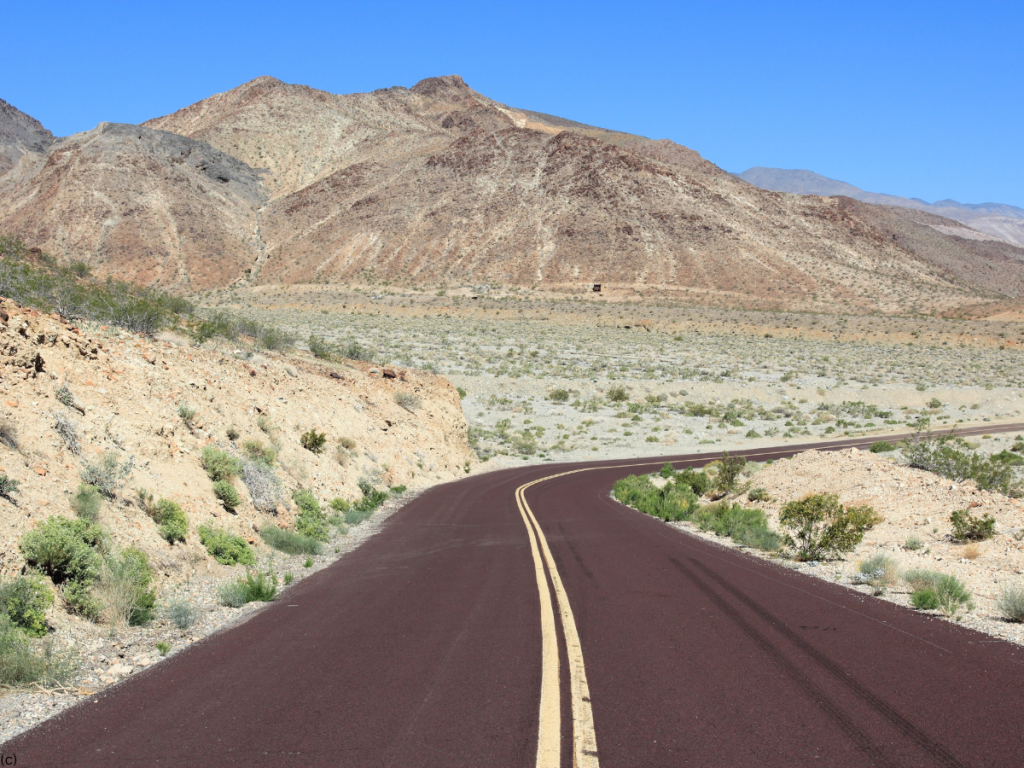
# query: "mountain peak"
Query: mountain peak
{"points": [[19, 134], [445, 87]]}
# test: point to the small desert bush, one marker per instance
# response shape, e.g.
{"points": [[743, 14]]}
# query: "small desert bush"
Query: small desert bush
{"points": [[226, 548], [757, 494], [68, 432], [171, 519], [320, 348], [290, 542], [672, 502], [263, 485], [66, 550], [697, 481], [408, 400], [882, 446], [220, 465], [924, 599], [109, 475], [372, 498], [310, 521], [955, 459], [748, 527], [967, 527], [822, 528], [617, 394], [919, 578], [255, 586], [356, 351], [313, 441], [187, 414], [879, 571], [22, 665], [1011, 603], [181, 613], [729, 472], [559, 396], [347, 443], [9, 487], [257, 451], [265, 424], [953, 595], [24, 601], [667, 471], [86, 502], [124, 588], [227, 494], [914, 543]]}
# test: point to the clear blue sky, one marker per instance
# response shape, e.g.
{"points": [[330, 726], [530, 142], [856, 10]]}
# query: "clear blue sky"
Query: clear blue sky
{"points": [[910, 98]]}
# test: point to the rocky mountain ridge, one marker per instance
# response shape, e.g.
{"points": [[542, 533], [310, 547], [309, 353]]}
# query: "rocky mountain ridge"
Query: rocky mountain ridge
{"points": [[438, 184], [1005, 222]]}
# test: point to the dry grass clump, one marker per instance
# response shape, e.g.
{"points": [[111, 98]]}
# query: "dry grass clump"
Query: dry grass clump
{"points": [[971, 551]]}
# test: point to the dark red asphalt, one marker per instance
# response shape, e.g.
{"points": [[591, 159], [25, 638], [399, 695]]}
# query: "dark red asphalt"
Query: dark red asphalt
{"points": [[423, 648]]}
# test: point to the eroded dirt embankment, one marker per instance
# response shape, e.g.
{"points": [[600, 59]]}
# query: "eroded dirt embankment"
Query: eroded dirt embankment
{"points": [[127, 392]]}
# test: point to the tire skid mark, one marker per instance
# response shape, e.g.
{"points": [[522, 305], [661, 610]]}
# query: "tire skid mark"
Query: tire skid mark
{"points": [[886, 710], [812, 691], [579, 560]]}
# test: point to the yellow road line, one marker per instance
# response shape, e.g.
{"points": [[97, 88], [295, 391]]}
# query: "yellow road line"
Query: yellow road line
{"points": [[549, 736]]}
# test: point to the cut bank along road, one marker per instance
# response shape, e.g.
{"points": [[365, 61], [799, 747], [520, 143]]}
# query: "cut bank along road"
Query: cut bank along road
{"points": [[524, 618]]}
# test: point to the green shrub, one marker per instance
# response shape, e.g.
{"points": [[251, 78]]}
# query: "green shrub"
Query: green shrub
{"points": [[695, 480], [356, 351], [232, 433], [461, 392], [914, 543], [372, 498], [347, 443], [673, 502], [256, 451], [748, 527], [313, 441], [617, 394], [955, 459], [924, 599], [559, 396], [1011, 603], [9, 487], [67, 550], [967, 527], [220, 465], [882, 446], [1006, 457], [396, 490], [757, 494], [919, 578], [173, 524], [181, 613], [290, 542], [953, 595], [288, 578], [255, 586], [163, 648], [226, 492], [729, 472], [79, 599], [879, 571], [310, 521], [86, 502], [320, 348], [823, 528], [340, 505], [24, 601], [226, 548], [124, 588], [667, 471], [187, 414], [109, 475], [22, 665], [408, 400]]}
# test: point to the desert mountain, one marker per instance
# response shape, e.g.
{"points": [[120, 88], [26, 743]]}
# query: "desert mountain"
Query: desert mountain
{"points": [[272, 182], [145, 205], [19, 135], [995, 219]]}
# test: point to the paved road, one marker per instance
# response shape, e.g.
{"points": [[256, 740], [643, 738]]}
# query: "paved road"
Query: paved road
{"points": [[501, 621]]}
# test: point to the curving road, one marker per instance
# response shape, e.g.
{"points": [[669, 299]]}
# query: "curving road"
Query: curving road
{"points": [[524, 618]]}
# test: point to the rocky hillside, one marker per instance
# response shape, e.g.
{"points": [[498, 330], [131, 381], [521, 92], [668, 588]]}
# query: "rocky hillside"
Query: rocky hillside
{"points": [[125, 395], [436, 184], [19, 135]]}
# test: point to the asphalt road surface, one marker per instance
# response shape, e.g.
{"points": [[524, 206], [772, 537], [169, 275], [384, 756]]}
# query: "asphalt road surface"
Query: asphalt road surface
{"points": [[524, 618]]}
